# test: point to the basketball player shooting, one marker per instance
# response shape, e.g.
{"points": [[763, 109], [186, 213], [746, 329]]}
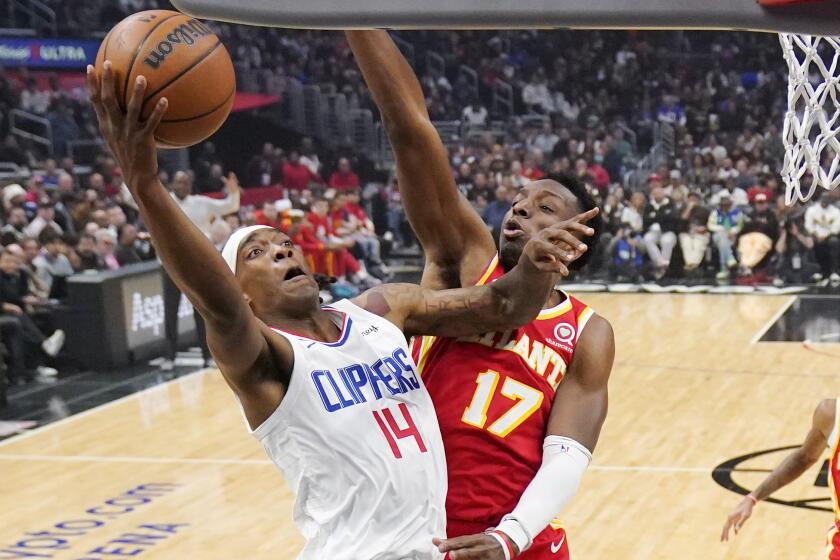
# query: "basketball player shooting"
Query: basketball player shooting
{"points": [[520, 410], [331, 393], [824, 431]]}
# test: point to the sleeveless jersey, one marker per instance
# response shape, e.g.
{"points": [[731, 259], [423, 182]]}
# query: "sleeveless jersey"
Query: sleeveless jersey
{"points": [[357, 440], [493, 396]]}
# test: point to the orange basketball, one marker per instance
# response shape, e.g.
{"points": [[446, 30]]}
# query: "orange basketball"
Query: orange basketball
{"points": [[182, 60]]}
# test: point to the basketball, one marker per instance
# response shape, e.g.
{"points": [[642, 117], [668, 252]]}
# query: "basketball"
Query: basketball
{"points": [[182, 60]]}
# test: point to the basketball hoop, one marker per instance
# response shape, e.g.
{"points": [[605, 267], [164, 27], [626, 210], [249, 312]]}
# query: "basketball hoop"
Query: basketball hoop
{"points": [[812, 124]]}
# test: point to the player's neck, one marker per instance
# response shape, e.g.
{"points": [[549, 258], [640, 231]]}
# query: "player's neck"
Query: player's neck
{"points": [[554, 299], [318, 325]]}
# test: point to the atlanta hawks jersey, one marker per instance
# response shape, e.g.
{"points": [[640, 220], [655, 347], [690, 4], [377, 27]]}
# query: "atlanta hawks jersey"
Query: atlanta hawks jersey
{"points": [[493, 396], [833, 545], [357, 440]]}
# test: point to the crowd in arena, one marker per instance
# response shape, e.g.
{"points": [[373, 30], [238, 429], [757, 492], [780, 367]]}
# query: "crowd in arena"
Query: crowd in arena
{"points": [[713, 210]]}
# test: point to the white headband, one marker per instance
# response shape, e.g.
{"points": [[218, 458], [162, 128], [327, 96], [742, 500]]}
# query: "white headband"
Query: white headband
{"points": [[231, 249]]}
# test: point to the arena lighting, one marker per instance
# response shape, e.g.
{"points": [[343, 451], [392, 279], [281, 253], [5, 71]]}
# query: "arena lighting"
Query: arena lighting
{"points": [[803, 16]]}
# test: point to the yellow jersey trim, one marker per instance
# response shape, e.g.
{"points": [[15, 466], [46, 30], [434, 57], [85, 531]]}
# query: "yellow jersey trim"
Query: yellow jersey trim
{"points": [[488, 271]]}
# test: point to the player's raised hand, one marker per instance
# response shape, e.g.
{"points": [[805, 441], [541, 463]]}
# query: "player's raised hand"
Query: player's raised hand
{"points": [[130, 139], [472, 547], [231, 183], [737, 518], [555, 247]]}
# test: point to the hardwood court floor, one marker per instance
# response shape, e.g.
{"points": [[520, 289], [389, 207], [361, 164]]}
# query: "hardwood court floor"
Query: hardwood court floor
{"points": [[172, 473]]}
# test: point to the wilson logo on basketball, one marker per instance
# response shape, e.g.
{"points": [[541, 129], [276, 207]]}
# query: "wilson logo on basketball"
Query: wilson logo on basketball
{"points": [[184, 34]]}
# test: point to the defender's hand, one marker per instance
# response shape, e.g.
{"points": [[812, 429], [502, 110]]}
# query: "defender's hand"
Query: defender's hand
{"points": [[131, 141], [737, 518], [554, 248], [473, 547]]}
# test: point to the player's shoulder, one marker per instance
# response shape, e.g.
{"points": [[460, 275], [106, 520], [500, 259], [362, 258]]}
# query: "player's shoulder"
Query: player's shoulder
{"points": [[825, 414]]}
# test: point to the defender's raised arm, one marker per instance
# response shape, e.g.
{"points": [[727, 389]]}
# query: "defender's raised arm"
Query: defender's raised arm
{"points": [[457, 243]]}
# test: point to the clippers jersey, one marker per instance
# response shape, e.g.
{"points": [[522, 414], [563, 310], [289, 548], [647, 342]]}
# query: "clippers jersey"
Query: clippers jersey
{"points": [[493, 395], [357, 440], [833, 544]]}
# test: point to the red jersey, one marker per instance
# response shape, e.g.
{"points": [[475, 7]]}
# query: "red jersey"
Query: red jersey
{"points": [[344, 181], [493, 397]]}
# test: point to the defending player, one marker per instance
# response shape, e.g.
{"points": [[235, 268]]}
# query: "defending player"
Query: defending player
{"points": [[824, 431], [331, 393], [520, 410]]}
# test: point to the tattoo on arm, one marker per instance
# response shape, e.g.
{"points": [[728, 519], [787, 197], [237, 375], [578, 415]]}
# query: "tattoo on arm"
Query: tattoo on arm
{"points": [[376, 302]]}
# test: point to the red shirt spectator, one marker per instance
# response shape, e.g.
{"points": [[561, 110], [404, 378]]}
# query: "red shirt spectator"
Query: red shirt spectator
{"points": [[755, 190], [269, 215], [297, 176], [343, 178], [600, 177], [532, 173], [321, 221]]}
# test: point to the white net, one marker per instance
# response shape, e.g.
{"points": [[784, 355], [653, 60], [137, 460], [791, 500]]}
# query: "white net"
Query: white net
{"points": [[812, 123]]}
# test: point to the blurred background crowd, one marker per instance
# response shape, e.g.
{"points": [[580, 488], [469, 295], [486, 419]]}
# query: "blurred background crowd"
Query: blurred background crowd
{"points": [[677, 134]]}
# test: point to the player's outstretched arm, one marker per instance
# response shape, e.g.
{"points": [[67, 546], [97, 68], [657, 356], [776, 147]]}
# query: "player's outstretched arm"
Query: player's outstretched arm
{"points": [[457, 243], [510, 302], [234, 334], [791, 468]]}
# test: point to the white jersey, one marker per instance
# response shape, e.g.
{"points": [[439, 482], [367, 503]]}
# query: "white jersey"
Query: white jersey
{"points": [[357, 439]]}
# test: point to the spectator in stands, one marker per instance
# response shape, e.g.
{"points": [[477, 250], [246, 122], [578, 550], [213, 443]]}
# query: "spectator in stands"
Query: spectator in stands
{"points": [[795, 248], [26, 342], [33, 100], [545, 140], [106, 246], [343, 178], [475, 113], [202, 211], [671, 111], [64, 126], [694, 238], [535, 95], [30, 249], [52, 266], [203, 165], [219, 233], [660, 223], [737, 195], [265, 168], [725, 223], [309, 156], [627, 251], [757, 240], [632, 215], [88, 258], [13, 196], [494, 213], [12, 231], [116, 218], [822, 221], [126, 252], [44, 219], [339, 262], [297, 176], [360, 229], [270, 213]]}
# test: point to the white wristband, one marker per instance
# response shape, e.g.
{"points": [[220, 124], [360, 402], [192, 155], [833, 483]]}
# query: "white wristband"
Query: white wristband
{"points": [[504, 544], [511, 527]]}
